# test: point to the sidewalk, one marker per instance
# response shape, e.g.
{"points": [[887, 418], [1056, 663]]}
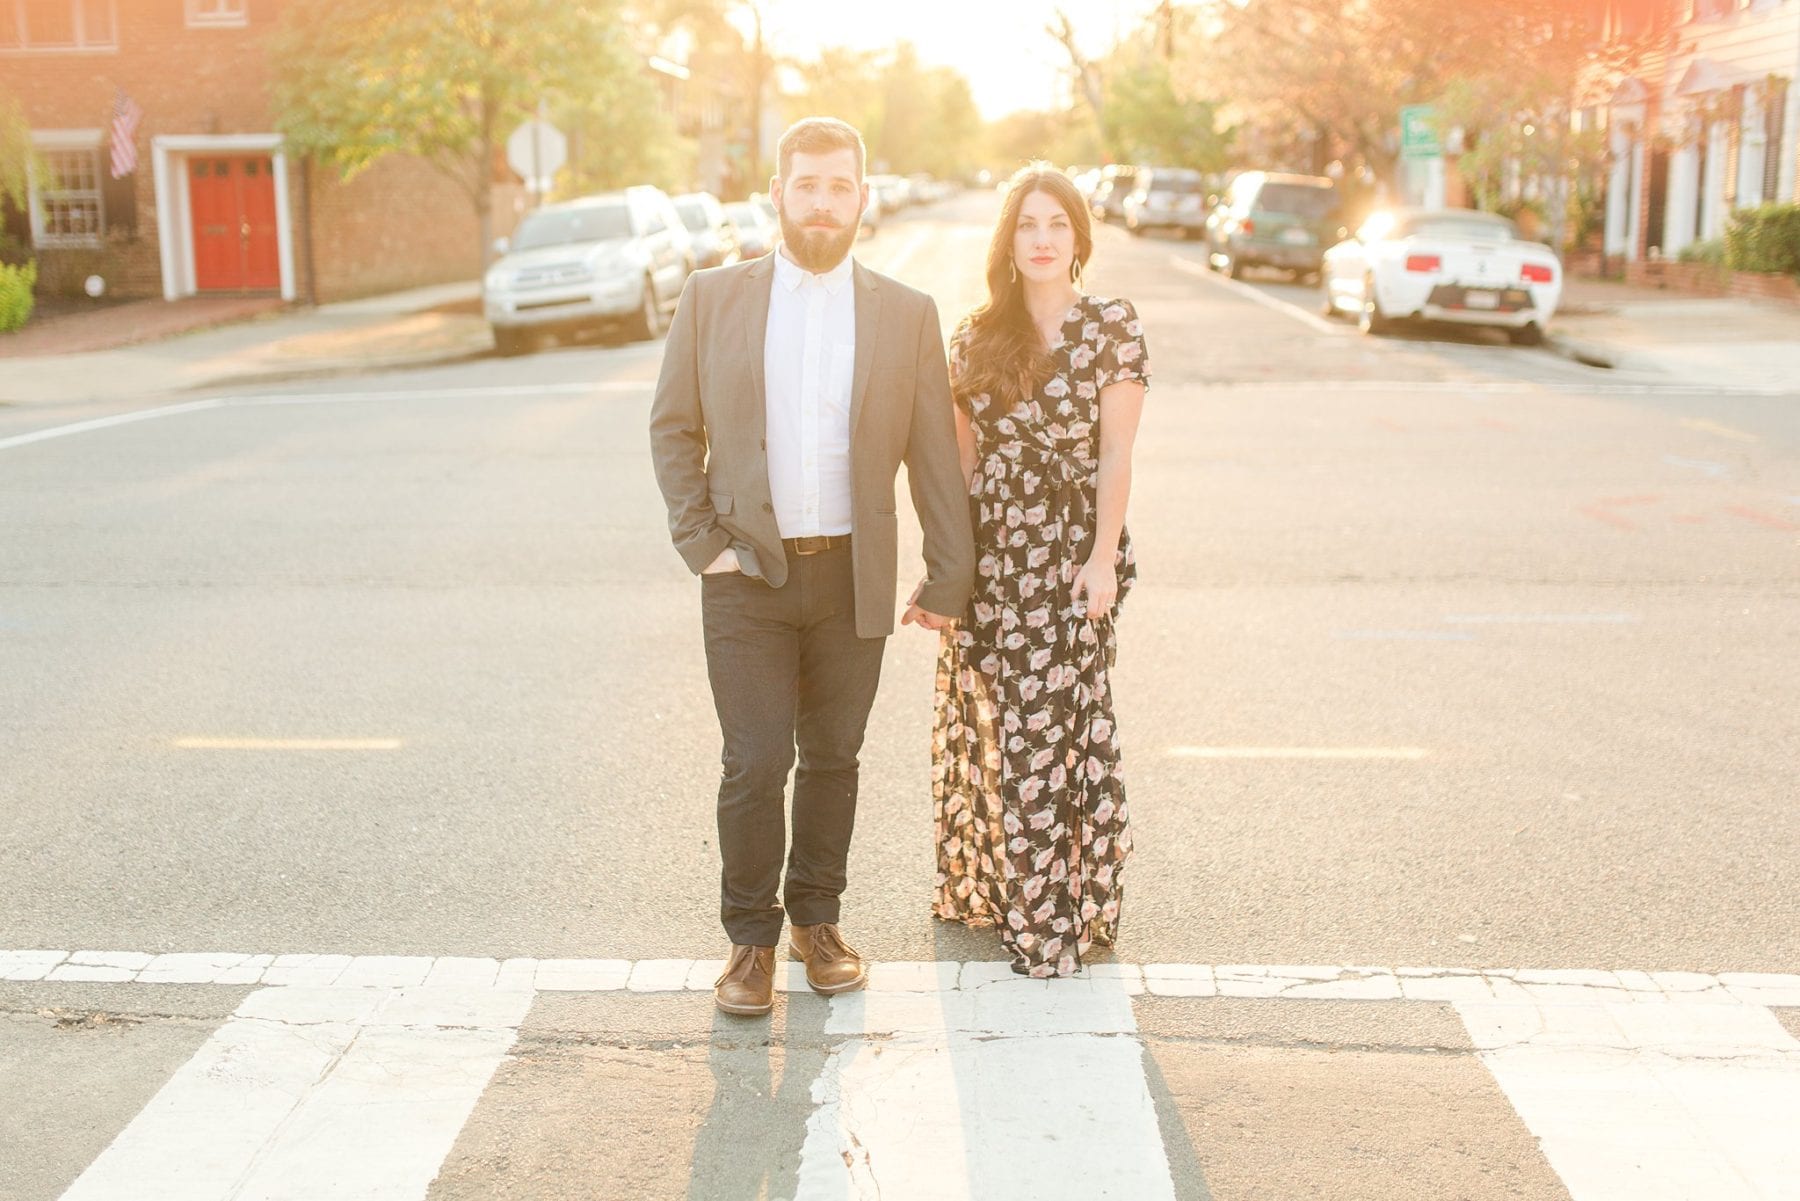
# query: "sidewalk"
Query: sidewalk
{"points": [[1678, 339], [59, 363]]}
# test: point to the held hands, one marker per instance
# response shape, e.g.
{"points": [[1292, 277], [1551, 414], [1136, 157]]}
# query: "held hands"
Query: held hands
{"points": [[922, 617], [1099, 582]]}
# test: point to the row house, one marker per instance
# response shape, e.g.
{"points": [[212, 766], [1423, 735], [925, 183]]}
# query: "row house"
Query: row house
{"points": [[212, 202], [1706, 122]]}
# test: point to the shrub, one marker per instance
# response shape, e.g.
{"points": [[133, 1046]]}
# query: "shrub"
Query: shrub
{"points": [[1764, 239], [1711, 252], [15, 295]]}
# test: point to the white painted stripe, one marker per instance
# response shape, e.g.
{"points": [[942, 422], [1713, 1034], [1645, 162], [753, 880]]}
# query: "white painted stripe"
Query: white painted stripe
{"points": [[1313, 981], [1298, 752], [1542, 618], [923, 1106], [306, 398], [288, 744], [1713, 427], [1645, 1102], [1311, 320], [315, 1092], [1405, 635]]}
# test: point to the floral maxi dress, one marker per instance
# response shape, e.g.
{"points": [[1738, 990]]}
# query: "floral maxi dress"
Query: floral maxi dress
{"points": [[1027, 787]]}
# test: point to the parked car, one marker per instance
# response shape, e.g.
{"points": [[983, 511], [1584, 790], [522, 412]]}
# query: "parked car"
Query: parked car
{"points": [[713, 237], [766, 203], [615, 259], [892, 190], [871, 215], [757, 232], [1167, 198], [1115, 184], [1271, 219], [1443, 265]]}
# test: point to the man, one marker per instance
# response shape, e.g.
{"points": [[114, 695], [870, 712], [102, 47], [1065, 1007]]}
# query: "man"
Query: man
{"points": [[792, 388]]}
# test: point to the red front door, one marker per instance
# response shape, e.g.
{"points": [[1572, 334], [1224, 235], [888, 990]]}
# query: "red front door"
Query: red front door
{"points": [[233, 205]]}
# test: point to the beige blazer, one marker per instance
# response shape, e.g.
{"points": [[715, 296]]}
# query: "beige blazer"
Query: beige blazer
{"points": [[708, 425]]}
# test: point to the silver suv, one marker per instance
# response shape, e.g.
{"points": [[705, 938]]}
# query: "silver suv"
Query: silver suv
{"points": [[600, 262]]}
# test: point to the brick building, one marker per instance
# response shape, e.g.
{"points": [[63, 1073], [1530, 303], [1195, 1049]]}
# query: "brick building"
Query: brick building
{"points": [[215, 204]]}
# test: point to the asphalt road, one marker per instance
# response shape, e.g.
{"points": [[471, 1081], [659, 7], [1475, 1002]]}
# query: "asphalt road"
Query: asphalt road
{"points": [[1535, 627]]}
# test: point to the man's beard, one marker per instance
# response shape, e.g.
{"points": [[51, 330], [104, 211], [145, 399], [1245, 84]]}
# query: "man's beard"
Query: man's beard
{"points": [[818, 250]]}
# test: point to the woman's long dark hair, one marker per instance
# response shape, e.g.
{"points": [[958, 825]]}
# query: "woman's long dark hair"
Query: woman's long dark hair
{"points": [[1002, 353]]}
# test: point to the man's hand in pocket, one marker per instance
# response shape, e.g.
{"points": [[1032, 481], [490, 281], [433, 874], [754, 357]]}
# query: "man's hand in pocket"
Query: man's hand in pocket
{"points": [[726, 562]]}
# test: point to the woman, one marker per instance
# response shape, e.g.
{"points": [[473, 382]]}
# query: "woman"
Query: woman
{"points": [[1049, 384]]}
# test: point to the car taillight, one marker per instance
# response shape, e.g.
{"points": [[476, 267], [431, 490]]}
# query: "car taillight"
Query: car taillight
{"points": [[1248, 227], [1532, 273], [1424, 262]]}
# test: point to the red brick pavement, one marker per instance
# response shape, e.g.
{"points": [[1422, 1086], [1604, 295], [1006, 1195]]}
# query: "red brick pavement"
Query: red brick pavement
{"points": [[128, 324]]}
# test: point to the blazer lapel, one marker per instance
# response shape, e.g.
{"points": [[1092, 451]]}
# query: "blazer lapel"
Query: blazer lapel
{"points": [[868, 321], [756, 282]]}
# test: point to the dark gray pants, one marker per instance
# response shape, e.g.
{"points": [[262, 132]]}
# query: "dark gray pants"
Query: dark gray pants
{"points": [[788, 674]]}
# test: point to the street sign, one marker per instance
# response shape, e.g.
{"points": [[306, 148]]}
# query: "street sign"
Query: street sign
{"points": [[1418, 131], [537, 150]]}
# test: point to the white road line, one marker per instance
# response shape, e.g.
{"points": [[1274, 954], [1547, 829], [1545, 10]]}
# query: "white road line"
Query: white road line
{"points": [[1311, 320], [1635, 1102], [1542, 618], [303, 398], [288, 744], [919, 1108], [315, 1092], [1298, 752]]}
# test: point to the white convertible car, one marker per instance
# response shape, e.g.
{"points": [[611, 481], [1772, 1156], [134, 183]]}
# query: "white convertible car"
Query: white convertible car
{"points": [[1456, 265]]}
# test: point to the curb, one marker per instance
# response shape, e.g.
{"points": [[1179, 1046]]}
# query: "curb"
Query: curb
{"points": [[1588, 354]]}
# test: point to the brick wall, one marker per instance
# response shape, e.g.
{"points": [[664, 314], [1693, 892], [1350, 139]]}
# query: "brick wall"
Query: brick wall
{"points": [[1703, 279], [399, 224]]}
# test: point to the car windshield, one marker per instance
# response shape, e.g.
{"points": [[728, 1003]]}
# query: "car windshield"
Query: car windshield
{"points": [[561, 227], [693, 215], [1457, 228], [1175, 183], [744, 213], [1303, 200]]}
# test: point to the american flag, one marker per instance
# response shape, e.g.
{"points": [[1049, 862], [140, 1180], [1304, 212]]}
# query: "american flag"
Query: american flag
{"points": [[125, 118]]}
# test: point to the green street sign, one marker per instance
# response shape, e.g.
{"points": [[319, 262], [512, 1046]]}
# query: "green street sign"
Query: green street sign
{"points": [[1418, 131]]}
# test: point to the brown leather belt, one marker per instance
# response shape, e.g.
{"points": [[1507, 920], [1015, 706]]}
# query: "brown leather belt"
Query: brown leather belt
{"points": [[812, 546]]}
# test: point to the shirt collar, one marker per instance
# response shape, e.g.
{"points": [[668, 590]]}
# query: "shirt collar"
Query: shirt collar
{"points": [[791, 274]]}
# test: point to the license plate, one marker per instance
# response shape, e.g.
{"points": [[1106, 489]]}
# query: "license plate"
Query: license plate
{"points": [[1482, 300], [1296, 237]]}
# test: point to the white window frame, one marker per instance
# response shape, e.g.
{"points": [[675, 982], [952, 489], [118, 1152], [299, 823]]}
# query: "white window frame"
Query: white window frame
{"points": [[12, 12], [218, 14], [68, 141]]}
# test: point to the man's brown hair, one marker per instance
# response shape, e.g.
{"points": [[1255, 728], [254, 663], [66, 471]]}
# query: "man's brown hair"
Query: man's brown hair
{"points": [[817, 135]]}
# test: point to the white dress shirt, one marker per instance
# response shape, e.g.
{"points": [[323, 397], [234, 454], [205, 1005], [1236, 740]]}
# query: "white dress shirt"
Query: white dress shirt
{"points": [[809, 357]]}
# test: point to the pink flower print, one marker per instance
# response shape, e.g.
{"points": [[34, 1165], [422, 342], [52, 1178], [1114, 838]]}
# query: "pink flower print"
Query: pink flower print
{"points": [[1018, 846], [1095, 769], [1104, 877], [1090, 331], [1042, 818], [1014, 515], [1058, 777], [984, 612], [1101, 843], [1039, 618], [1005, 426], [1128, 352], [1086, 390], [1100, 730], [1028, 585], [990, 666], [1040, 659], [1014, 918], [1038, 722], [989, 566], [1110, 911], [1043, 759], [1112, 312], [1011, 722], [1011, 823], [1034, 888], [1009, 619], [1103, 812], [1026, 940], [1135, 328], [1036, 513], [1029, 788], [1080, 357], [1043, 913], [1015, 744], [1065, 966], [1089, 911], [1053, 947], [1079, 431], [1029, 688], [1059, 871], [1057, 388], [1062, 925], [1013, 641]]}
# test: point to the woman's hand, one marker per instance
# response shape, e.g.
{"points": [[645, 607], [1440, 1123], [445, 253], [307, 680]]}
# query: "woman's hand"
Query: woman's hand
{"points": [[1099, 582]]}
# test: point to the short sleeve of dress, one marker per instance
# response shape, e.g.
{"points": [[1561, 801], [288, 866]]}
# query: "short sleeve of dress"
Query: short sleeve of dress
{"points": [[1122, 355]]}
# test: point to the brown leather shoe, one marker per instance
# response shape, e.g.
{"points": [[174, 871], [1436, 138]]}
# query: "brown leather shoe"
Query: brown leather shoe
{"points": [[747, 987], [832, 965]]}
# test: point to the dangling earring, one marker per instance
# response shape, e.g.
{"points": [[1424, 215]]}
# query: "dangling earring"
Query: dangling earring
{"points": [[1012, 270], [1075, 273]]}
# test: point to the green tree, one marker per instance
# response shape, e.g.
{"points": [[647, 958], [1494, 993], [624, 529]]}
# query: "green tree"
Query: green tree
{"points": [[1146, 121], [913, 116], [445, 80]]}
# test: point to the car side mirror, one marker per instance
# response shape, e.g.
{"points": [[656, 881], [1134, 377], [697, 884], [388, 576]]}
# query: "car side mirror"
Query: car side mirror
{"points": [[502, 245]]}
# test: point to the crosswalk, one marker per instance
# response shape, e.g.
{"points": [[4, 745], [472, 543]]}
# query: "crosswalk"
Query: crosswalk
{"points": [[386, 1077]]}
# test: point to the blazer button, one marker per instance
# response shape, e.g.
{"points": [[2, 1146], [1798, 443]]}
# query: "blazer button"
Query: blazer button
{"points": [[764, 444], [767, 507]]}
